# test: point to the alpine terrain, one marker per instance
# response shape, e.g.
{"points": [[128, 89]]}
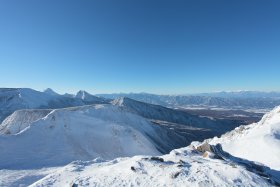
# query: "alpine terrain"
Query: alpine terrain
{"points": [[246, 156]]}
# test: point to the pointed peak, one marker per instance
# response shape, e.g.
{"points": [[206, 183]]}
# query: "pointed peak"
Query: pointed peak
{"points": [[50, 91], [82, 94]]}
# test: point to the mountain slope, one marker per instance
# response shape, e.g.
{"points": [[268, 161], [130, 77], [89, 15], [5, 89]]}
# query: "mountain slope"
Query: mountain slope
{"points": [[89, 99], [50, 92], [257, 142], [160, 113], [12, 99], [195, 165], [69, 129], [200, 164], [21, 119], [76, 133], [183, 167]]}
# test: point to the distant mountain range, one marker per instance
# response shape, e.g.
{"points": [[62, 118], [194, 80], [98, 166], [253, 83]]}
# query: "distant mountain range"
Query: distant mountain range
{"points": [[245, 100], [12, 99]]}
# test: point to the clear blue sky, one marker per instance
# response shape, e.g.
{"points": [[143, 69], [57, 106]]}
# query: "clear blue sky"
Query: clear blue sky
{"points": [[157, 46]]}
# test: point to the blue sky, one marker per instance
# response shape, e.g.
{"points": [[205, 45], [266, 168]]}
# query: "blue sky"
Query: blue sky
{"points": [[156, 46]]}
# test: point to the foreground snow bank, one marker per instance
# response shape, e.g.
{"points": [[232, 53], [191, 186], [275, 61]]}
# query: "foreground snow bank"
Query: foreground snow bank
{"points": [[183, 167], [258, 142]]}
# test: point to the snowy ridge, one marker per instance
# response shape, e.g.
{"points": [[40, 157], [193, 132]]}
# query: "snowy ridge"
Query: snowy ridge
{"points": [[157, 112], [199, 164], [20, 120], [75, 133], [258, 142], [12, 99], [182, 167]]}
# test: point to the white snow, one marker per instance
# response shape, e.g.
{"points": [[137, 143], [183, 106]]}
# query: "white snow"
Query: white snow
{"points": [[21, 119], [180, 168], [69, 134], [258, 142], [108, 131]]}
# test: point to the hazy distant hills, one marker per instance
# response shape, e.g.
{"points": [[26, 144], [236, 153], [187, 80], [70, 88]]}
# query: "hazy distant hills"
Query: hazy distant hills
{"points": [[228, 100]]}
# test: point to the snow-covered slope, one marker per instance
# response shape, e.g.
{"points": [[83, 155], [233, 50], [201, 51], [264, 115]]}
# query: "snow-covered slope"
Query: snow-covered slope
{"points": [[73, 133], [12, 99], [257, 142], [157, 112], [183, 167], [196, 165], [70, 134], [21, 119], [81, 132]]}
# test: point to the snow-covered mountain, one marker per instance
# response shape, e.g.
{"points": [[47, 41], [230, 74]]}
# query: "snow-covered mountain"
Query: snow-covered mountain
{"points": [[88, 98], [12, 99], [50, 92], [127, 127], [200, 164], [163, 114], [55, 137], [79, 133], [228, 100]]}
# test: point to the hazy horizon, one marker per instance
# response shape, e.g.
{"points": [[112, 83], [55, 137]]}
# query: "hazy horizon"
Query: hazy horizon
{"points": [[188, 93]]}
